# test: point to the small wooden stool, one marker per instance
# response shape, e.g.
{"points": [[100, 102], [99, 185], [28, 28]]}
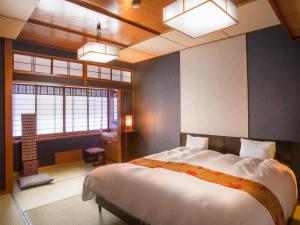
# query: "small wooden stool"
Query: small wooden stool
{"points": [[94, 154]]}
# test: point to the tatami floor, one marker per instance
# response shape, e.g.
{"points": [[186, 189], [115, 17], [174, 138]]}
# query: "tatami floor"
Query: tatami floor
{"points": [[60, 203]]}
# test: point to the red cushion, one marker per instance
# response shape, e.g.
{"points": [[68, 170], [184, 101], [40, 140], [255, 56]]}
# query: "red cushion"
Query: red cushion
{"points": [[94, 150]]}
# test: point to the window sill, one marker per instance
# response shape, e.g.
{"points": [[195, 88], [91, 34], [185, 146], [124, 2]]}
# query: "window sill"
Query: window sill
{"points": [[41, 138]]}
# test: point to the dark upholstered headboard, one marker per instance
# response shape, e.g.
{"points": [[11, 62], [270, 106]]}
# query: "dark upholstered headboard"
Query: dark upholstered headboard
{"points": [[286, 152]]}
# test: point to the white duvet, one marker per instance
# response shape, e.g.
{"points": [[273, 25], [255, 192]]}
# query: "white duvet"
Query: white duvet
{"points": [[163, 197]]}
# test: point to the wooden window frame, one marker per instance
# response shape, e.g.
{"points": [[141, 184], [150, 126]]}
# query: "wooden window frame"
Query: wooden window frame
{"points": [[84, 64], [66, 134]]}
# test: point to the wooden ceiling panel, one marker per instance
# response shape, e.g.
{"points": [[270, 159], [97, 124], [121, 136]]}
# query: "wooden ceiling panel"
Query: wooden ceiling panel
{"points": [[241, 2], [288, 12], [150, 14], [75, 17], [288, 7], [51, 37], [293, 21]]}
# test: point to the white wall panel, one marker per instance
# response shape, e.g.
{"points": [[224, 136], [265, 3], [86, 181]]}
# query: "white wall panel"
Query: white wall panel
{"points": [[214, 97]]}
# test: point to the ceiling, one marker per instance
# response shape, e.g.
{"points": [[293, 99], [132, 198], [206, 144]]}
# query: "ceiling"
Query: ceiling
{"points": [[288, 13], [140, 33], [13, 16]]}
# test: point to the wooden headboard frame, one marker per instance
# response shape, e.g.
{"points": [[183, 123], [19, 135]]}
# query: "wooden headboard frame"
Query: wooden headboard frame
{"points": [[286, 152]]}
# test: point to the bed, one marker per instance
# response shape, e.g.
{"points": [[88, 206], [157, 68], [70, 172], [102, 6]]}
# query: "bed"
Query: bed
{"points": [[158, 196]]}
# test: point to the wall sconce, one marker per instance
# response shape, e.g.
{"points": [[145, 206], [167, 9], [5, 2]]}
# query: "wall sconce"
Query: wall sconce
{"points": [[128, 122]]}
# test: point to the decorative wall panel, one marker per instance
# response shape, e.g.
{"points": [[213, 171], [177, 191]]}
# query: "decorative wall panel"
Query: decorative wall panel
{"points": [[214, 97], [274, 85], [157, 103]]}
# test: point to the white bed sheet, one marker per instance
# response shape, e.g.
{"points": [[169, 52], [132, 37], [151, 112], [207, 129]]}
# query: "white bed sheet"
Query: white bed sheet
{"points": [[163, 197]]}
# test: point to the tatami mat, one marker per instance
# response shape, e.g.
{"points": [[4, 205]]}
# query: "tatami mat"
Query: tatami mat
{"points": [[72, 211], [68, 181], [9, 214], [39, 196]]}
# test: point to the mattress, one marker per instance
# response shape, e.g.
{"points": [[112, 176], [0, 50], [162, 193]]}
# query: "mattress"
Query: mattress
{"points": [[162, 197]]}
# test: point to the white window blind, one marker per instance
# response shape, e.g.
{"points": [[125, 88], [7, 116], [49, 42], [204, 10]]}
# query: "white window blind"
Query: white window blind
{"points": [[115, 109], [98, 109], [22, 103], [49, 109]]}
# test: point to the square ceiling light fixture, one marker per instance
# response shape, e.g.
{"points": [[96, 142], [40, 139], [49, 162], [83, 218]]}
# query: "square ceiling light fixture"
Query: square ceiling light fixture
{"points": [[199, 17], [98, 52]]}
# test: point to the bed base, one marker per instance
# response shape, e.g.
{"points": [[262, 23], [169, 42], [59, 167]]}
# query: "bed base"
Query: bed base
{"points": [[132, 220], [117, 211]]}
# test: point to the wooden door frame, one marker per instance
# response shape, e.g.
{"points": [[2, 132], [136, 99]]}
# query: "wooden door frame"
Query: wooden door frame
{"points": [[8, 141]]}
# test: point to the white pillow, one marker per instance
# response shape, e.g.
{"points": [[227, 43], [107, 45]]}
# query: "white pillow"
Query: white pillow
{"points": [[196, 142], [257, 149]]}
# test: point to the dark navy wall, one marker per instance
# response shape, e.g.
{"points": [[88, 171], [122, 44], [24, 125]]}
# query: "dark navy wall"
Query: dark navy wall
{"points": [[274, 85], [157, 103], [46, 149], [2, 146]]}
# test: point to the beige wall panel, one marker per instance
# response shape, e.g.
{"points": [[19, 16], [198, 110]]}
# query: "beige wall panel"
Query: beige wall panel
{"points": [[253, 16], [214, 96], [158, 46], [187, 41], [10, 28], [133, 56]]}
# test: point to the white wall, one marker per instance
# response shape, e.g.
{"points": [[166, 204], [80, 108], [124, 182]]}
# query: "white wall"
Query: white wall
{"points": [[214, 96]]}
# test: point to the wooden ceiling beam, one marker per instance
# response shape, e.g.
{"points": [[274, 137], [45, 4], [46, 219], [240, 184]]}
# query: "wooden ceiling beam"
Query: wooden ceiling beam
{"points": [[281, 18], [241, 2], [69, 30], [112, 15]]}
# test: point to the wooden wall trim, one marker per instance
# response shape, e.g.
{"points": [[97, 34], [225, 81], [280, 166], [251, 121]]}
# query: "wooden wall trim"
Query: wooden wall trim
{"points": [[279, 15], [8, 73]]}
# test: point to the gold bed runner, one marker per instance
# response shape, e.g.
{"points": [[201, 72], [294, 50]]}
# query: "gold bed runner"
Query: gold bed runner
{"points": [[257, 190]]}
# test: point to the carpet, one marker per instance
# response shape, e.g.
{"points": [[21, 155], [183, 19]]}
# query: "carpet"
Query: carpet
{"points": [[71, 211]]}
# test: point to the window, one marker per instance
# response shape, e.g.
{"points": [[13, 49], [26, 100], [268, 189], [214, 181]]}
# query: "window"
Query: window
{"points": [[65, 67], [42, 65], [60, 67], [62, 109], [116, 75], [98, 109], [115, 109], [76, 109], [49, 109], [92, 71], [105, 73], [98, 72], [126, 76], [23, 102], [22, 62], [75, 69]]}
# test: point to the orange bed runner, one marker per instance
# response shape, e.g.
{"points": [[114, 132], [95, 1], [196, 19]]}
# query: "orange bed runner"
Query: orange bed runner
{"points": [[257, 190]]}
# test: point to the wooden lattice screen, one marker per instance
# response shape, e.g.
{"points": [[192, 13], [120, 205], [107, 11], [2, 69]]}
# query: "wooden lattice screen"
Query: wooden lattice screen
{"points": [[29, 150]]}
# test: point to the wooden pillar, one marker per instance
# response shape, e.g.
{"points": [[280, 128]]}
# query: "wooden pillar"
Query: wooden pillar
{"points": [[8, 70]]}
